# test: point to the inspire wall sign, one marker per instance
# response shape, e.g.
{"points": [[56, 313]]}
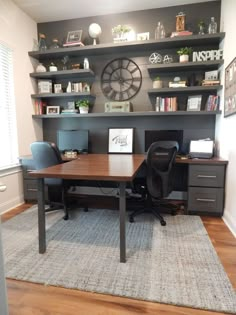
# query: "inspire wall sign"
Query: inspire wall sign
{"points": [[207, 55]]}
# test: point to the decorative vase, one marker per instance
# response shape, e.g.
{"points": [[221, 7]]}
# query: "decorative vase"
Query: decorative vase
{"points": [[157, 84], [183, 58], [40, 68], [83, 110]]}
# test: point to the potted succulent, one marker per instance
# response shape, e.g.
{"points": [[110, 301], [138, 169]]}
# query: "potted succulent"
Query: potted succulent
{"points": [[83, 106], [184, 54], [120, 32], [157, 83]]}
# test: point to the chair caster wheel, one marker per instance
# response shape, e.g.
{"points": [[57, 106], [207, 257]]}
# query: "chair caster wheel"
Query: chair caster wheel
{"points": [[163, 223], [131, 219], [66, 217]]}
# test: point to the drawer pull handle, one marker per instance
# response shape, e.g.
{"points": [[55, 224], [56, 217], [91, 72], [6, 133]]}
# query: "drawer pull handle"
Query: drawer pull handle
{"points": [[206, 176], [205, 200], [32, 189], [30, 170]]}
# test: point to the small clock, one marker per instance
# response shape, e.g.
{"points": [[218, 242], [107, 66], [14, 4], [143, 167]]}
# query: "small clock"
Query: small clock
{"points": [[121, 79]]}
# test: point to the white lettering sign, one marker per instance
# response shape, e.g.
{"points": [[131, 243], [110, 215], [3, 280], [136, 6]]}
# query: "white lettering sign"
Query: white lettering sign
{"points": [[207, 55]]}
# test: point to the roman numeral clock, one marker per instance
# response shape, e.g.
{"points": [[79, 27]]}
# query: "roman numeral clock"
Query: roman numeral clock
{"points": [[121, 79]]}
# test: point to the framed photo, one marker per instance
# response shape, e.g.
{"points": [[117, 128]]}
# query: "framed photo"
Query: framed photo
{"points": [[53, 110], [57, 88], [74, 36], [230, 89], [143, 36], [44, 86], [120, 140], [194, 103]]}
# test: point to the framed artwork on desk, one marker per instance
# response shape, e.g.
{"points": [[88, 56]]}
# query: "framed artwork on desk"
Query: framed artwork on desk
{"points": [[120, 140]]}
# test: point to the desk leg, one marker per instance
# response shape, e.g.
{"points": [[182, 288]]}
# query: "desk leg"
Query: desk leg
{"points": [[41, 216], [122, 207]]}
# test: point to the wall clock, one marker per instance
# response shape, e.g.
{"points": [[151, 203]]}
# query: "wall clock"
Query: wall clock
{"points": [[121, 79]]}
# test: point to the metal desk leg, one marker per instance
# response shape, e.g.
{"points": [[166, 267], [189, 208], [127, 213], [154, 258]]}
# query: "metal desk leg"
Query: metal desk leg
{"points": [[122, 206], [41, 216]]}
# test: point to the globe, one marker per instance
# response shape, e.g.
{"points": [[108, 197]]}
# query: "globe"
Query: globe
{"points": [[94, 31]]}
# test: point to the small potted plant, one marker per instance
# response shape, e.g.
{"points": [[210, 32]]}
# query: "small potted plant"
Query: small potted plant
{"points": [[120, 32], [83, 106], [184, 54], [157, 83], [201, 25]]}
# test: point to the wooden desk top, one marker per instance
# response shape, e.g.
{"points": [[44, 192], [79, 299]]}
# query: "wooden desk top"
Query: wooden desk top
{"points": [[115, 167]]}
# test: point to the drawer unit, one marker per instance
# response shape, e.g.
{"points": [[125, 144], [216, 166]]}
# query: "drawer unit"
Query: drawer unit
{"points": [[29, 183], [202, 199], [206, 175], [206, 189]]}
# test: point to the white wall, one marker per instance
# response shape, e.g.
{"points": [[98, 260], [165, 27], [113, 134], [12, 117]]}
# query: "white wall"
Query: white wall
{"points": [[18, 31], [226, 127]]}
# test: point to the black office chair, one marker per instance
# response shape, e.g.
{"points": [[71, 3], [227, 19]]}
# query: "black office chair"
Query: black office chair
{"points": [[160, 158], [47, 154]]}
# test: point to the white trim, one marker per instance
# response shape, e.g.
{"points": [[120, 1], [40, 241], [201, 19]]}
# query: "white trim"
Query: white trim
{"points": [[10, 170], [230, 222], [11, 204]]}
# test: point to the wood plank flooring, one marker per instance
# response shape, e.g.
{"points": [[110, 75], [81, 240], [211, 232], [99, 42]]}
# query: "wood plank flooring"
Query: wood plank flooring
{"points": [[34, 299]]}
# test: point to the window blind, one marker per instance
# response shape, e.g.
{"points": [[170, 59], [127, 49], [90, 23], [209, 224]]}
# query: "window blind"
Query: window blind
{"points": [[8, 130]]}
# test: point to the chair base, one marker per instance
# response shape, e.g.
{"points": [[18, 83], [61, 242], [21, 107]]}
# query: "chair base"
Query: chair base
{"points": [[153, 210]]}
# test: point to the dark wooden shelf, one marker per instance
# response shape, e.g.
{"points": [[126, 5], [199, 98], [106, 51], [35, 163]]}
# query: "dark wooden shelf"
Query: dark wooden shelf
{"points": [[62, 95], [131, 114], [132, 46], [184, 66], [78, 73], [185, 90]]}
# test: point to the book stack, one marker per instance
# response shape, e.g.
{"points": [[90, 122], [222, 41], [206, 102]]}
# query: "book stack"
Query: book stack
{"points": [[213, 102], [177, 84], [166, 104], [39, 107], [210, 82], [182, 33], [71, 44], [69, 111]]}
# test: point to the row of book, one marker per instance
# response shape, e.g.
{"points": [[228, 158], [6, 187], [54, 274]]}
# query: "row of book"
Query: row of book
{"points": [[166, 104], [213, 102], [39, 107]]}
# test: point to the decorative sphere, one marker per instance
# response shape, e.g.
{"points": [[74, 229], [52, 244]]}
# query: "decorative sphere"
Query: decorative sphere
{"points": [[94, 30]]}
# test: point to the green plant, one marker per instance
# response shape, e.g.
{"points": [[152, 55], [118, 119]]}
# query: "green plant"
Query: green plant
{"points": [[157, 79], [82, 103], [185, 51], [121, 29], [201, 24]]}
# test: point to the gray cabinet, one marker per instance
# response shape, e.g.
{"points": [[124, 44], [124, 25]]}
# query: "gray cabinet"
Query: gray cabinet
{"points": [[29, 183], [206, 189]]}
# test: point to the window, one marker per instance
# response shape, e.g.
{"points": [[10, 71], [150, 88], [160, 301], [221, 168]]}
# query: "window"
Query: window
{"points": [[8, 132]]}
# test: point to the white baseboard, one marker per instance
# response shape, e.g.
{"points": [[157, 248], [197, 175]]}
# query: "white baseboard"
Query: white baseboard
{"points": [[230, 222], [10, 204]]}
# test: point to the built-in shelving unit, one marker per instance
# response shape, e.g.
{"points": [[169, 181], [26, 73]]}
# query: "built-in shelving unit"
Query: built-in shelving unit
{"points": [[185, 90], [61, 95], [134, 46], [64, 74]]}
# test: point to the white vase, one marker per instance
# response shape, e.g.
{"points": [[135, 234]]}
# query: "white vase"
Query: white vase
{"points": [[183, 58], [83, 110], [40, 68]]}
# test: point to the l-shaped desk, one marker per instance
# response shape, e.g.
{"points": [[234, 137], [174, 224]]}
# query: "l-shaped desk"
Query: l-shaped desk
{"points": [[206, 180]]}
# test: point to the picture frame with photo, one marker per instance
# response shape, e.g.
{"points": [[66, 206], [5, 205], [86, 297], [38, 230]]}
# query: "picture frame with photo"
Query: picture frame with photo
{"points": [[74, 37], [121, 140], [194, 103], [143, 36], [230, 89], [53, 110]]}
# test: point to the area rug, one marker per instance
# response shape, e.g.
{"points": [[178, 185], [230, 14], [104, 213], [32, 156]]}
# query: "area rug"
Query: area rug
{"points": [[175, 264]]}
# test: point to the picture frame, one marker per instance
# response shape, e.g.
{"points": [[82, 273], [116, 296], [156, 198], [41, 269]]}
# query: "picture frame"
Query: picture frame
{"points": [[121, 140], [44, 86], [74, 36], [143, 36], [194, 103], [53, 110], [57, 88], [230, 89]]}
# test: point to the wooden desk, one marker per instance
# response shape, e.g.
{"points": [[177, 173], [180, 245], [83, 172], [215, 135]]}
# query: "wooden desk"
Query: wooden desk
{"points": [[120, 168]]}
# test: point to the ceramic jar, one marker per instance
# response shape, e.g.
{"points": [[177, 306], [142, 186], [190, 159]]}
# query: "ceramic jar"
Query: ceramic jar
{"points": [[40, 68]]}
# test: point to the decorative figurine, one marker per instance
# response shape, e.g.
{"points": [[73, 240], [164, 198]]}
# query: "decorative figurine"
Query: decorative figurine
{"points": [[94, 31], [180, 22], [155, 58]]}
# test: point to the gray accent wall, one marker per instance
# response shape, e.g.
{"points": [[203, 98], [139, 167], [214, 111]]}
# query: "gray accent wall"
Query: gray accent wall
{"points": [[194, 127]]}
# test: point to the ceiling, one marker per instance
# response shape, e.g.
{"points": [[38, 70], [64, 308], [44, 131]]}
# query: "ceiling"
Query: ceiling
{"points": [[56, 10]]}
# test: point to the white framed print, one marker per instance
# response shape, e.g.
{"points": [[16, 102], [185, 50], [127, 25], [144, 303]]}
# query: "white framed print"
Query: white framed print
{"points": [[52, 110], [120, 140]]}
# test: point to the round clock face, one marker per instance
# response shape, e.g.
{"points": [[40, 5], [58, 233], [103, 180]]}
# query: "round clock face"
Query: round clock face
{"points": [[121, 79]]}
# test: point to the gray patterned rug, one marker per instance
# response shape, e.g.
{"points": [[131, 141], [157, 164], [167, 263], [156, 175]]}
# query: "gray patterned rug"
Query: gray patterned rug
{"points": [[175, 264]]}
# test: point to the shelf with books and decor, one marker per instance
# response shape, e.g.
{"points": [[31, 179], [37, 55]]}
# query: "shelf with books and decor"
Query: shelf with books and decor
{"points": [[64, 74], [61, 95], [184, 90]]}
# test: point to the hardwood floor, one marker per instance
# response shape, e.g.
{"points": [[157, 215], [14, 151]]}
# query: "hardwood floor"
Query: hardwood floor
{"points": [[34, 299]]}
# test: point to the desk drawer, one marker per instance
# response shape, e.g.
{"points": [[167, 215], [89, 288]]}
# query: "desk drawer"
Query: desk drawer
{"points": [[30, 189], [206, 200], [206, 175]]}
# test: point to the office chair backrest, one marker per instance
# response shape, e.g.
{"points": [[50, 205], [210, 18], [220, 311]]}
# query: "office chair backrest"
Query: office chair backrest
{"points": [[46, 154], [160, 158]]}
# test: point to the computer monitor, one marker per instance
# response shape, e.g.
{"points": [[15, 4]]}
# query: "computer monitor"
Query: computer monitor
{"points": [[72, 140], [160, 135]]}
